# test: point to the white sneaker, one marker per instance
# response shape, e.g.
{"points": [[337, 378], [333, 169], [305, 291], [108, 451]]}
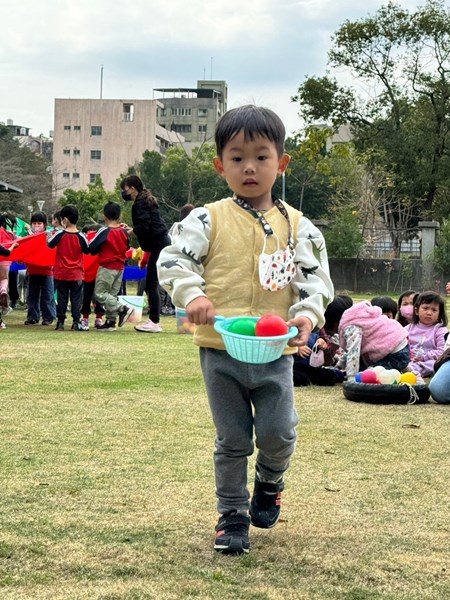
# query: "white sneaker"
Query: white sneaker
{"points": [[149, 327], [85, 324]]}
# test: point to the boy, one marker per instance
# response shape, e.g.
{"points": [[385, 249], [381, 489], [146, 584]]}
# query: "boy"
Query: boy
{"points": [[41, 294], [111, 244], [212, 268], [70, 246]]}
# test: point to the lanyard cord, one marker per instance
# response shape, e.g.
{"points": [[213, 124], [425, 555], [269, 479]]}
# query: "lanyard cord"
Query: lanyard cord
{"points": [[262, 219]]}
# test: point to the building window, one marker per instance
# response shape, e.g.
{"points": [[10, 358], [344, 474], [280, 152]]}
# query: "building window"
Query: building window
{"points": [[76, 175], [93, 177], [76, 152], [66, 127], [77, 127], [66, 175], [182, 112], [96, 130], [162, 112], [128, 112], [181, 128], [96, 154], [202, 112], [66, 151], [202, 128]]}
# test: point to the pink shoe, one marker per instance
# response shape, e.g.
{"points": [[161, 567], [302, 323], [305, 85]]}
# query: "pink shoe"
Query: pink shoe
{"points": [[149, 327]]}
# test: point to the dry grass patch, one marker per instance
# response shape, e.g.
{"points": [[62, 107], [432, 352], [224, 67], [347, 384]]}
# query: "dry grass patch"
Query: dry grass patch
{"points": [[107, 484]]}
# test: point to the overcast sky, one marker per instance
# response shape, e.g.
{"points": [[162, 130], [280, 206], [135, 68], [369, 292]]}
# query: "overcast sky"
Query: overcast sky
{"points": [[263, 49]]}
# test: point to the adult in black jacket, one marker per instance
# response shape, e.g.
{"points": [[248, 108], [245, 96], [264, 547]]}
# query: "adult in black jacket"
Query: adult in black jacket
{"points": [[152, 235]]}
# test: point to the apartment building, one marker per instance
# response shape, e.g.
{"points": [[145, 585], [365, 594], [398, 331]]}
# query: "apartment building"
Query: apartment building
{"points": [[96, 137], [193, 112]]}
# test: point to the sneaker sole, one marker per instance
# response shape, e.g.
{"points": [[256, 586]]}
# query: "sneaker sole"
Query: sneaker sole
{"points": [[234, 549], [128, 314], [147, 331]]}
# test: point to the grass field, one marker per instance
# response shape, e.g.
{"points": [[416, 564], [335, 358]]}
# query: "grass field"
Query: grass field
{"points": [[107, 492]]}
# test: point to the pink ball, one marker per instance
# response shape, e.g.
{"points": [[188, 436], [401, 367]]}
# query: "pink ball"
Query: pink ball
{"points": [[369, 377]]}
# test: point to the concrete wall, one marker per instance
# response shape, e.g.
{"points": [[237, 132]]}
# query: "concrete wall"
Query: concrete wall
{"points": [[377, 275]]}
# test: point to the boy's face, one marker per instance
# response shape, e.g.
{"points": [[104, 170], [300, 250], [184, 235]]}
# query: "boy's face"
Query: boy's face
{"points": [[251, 168]]}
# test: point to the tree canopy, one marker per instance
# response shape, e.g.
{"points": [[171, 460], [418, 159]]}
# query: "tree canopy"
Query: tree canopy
{"points": [[402, 122], [23, 169]]}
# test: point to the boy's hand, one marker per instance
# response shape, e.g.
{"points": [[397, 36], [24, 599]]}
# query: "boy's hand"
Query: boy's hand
{"points": [[13, 245], [304, 351], [201, 311], [304, 327]]}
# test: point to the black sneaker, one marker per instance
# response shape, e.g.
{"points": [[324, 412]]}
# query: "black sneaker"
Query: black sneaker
{"points": [[77, 326], [59, 326], [107, 326], [124, 314], [232, 534], [265, 506], [47, 323], [31, 322]]}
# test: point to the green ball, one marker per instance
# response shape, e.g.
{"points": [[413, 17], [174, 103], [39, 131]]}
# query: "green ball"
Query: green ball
{"points": [[243, 327]]}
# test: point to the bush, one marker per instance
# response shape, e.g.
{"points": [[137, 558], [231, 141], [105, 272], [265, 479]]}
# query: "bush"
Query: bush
{"points": [[344, 238], [441, 255]]}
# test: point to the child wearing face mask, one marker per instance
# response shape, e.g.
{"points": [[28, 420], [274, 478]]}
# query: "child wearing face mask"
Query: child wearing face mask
{"points": [[406, 307], [41, 296]]}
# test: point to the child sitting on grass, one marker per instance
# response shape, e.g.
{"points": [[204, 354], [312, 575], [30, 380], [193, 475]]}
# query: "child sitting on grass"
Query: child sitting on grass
{"points": [[371, 338], [427, 333]]}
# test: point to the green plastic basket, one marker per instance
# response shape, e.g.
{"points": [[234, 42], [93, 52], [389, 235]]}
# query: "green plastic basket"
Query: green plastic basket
{"points": [[252, 349]]}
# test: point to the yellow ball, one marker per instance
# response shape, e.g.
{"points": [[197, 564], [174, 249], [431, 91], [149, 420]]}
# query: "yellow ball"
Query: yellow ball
{"points": [[408, 378]]}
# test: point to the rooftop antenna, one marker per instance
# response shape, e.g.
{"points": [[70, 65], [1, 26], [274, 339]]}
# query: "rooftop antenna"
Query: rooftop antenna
{"points": [[204, 72], [101, 82], [211, 67]]}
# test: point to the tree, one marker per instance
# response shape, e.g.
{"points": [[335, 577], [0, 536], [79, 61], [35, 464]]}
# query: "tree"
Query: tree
{"points": [[24, 169], [404, 60], [307, 188], [90, 202]]}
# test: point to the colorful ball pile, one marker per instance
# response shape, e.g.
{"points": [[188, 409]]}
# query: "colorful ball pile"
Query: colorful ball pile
{"points": [[385, 376], [268, 325]]}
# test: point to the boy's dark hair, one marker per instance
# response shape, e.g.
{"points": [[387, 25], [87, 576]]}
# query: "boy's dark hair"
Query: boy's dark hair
{"points": [[253, 121], [91, 227], [70, 212], [112, 211], [132, 181], [427, 298], [387, 305], [7, 221], [39, 217], [185, 210], [57, 215], [335, 310]]}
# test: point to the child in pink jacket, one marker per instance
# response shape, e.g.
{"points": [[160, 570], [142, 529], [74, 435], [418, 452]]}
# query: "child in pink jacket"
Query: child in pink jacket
{"points": [[371, 338]]}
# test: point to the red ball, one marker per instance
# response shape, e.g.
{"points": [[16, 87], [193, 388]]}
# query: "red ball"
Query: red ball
{"points": [[271, 325], [369, 377]]}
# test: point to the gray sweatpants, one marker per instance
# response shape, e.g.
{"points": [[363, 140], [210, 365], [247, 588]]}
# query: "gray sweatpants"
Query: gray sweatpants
{"points": [[245, 397]]}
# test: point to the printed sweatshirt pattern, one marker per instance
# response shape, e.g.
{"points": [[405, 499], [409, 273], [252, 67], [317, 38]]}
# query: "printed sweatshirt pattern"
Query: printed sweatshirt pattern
{"points": [[427, 343], [216, 254]]}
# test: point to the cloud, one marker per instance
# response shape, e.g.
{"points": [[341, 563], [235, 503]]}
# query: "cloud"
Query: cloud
{"points": [[262, 48]]}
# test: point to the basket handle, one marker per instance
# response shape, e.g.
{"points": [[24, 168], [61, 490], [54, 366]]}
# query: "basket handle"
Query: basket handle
{"points": [[219, 318]]}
